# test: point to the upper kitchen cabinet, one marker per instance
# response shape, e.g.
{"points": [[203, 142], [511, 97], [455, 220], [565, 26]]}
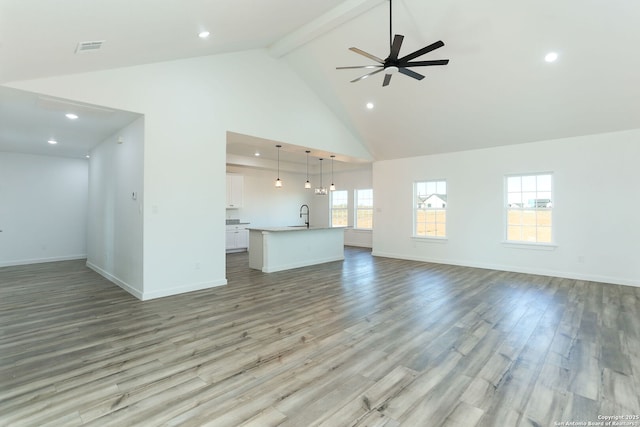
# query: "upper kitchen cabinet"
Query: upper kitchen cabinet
{"points": [[235, 190]]}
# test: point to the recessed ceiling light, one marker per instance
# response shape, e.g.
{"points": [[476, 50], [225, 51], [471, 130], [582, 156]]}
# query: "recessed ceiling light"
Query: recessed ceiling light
{"points": [[370, 105], [551, 57], [204, 34], [88, 156], [71, 116], [257, 154], [52, 141]]}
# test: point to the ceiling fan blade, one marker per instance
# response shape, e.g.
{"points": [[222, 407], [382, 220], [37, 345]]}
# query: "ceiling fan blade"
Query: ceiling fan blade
{"points": [[420, 52], [410, 73], [368, 55], [387, 79], [395, 47], [425, 63], [359, 66], [366, 75]]}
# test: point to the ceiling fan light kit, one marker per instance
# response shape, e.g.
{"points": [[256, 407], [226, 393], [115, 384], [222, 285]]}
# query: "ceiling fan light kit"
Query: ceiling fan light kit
{"points": [[392, 64]]}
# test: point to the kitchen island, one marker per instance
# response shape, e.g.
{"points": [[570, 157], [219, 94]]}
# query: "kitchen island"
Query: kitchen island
{"points": [[283, 248]]}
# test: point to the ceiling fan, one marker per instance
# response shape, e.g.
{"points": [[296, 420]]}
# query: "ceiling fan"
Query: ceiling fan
{"points": [[392, 63]]}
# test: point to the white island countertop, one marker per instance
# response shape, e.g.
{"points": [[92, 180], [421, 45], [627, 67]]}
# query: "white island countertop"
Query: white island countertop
{"points": [[293, 228]]}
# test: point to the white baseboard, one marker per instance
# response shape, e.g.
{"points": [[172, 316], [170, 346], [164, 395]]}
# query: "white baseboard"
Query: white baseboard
{"points": [[538, 271], [121, 283], [41, 260], [357, 244], [182, 289], [299, 264], [145, 296]]}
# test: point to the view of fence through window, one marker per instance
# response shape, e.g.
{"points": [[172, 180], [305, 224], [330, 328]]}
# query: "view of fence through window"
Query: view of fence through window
{"points": [[529, 208], [339, 208], [364, 209], [431, 208]]}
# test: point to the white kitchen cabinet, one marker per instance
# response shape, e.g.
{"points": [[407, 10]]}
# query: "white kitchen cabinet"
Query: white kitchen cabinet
{"points": [[235, 191], [237, 238]]}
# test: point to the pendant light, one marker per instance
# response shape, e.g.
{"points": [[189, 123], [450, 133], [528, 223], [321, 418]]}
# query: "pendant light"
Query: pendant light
{"points": [[320, 191], [332, 187], [307, 184], [278, 182]]}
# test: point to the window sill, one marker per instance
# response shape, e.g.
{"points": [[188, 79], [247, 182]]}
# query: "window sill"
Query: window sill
{"points": [[530, 246], [429, 239]]}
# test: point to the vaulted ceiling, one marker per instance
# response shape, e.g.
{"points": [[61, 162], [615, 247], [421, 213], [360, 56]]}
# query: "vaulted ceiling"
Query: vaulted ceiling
{"points": [[496, 90]]}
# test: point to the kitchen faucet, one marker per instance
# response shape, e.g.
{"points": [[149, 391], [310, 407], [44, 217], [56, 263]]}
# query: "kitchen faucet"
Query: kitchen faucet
{"points": [[305, 213]]}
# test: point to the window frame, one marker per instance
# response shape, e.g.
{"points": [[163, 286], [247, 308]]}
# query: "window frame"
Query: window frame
{"points": [[332, 209], [551, 201], [416, 209], [357, 209]]}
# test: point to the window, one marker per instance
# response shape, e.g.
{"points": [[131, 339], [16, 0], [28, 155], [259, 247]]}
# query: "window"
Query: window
{"points": [[339, 208], [364, 209], [430, 208], [529, 204]]}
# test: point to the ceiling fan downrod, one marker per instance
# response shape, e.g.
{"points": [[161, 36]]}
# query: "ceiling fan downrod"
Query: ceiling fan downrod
{"points": [[390, 24]]}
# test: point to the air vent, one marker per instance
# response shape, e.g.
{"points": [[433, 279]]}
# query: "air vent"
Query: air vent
{"points": [[84, 47]]}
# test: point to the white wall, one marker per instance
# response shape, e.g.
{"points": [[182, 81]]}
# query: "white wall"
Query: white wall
{"points": [[43, 208], [189, 105], [264, 204], [595, 241], [115, 229]]}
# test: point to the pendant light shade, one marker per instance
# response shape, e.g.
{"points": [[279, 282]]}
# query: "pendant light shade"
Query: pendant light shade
{"points": [[320, 191], [332, 187], [307, 184], [278, 181]]}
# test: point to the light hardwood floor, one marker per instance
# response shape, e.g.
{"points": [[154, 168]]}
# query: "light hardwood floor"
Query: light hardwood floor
{"points": [[365, 342]]}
